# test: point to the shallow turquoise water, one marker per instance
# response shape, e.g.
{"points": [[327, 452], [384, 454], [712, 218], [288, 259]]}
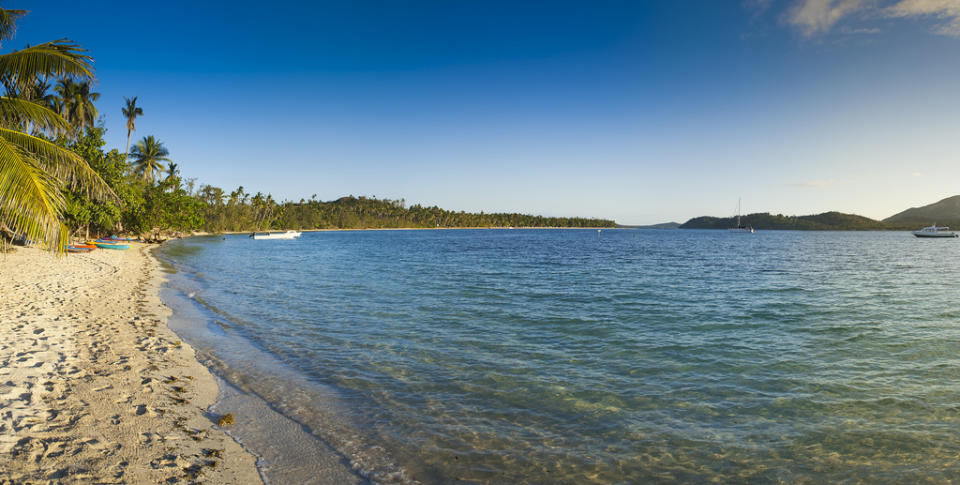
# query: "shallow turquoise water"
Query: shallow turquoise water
{"points": [[552, 356]]}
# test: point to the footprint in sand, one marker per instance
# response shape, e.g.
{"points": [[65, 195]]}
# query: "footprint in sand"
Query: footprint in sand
{"points": [[31, 449]]}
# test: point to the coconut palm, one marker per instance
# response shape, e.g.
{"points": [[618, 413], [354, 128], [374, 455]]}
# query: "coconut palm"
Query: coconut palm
{"points": [[33, 171], [76, 103], [173, 171], [130, 112], [148, 156]]}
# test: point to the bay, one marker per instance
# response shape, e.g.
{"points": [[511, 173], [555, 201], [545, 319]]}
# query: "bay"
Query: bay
{"points": [[578, 356]]}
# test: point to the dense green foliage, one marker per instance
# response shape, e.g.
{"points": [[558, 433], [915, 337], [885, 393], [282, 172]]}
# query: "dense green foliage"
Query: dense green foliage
{"points": [[238, 211], [34, 171], [828, 221]]}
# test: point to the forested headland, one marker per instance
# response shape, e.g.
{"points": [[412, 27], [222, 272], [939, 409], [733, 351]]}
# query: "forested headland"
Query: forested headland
{"points": [[827, 221], [240, 211]]}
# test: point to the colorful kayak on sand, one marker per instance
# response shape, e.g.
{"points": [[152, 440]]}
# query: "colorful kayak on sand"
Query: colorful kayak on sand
{"points": [[80, 249], [103, 245]]}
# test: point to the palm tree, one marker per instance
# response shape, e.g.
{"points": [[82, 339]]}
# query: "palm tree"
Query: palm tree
{"points": [[148, 155], [130, 112], [76, 103], [173, 170], [33, 171]]}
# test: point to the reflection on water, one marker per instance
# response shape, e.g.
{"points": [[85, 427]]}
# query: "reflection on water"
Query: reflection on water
{"points": [[560, 356]]}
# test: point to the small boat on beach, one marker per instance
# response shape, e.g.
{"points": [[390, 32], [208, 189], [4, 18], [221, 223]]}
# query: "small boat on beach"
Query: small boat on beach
{"points": [[80, 249], [276, 235], [935, 231], [100, 243], [112, 246]]}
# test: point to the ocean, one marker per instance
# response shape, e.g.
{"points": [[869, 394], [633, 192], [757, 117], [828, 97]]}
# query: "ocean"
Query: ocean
{"points": [[578, 356]]}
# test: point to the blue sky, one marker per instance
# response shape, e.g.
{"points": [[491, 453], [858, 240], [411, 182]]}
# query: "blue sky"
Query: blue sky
{"points": [[639, 111]]}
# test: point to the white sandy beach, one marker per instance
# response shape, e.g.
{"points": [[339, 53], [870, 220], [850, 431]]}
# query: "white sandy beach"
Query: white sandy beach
{"points": [[94, 388]]}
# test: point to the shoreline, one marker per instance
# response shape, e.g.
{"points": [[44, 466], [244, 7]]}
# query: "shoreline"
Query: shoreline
{"points": [[94, 384], [204, 233], [295, 440]]}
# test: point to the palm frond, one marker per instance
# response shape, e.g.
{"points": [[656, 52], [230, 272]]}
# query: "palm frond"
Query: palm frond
{"points": [[8, 22], [60, 163], [59, 58], [23, 110], [31, 202]]}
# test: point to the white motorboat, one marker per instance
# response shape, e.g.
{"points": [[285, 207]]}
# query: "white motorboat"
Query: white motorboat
{"points": [[740, 227], [276, 235], [935, 231]]}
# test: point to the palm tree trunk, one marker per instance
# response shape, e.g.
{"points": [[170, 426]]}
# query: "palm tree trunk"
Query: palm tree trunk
{"points": [[127, 152]]}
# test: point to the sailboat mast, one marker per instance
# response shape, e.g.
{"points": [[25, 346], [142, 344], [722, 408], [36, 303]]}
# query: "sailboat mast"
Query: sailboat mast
{"points": [[738, 211]]}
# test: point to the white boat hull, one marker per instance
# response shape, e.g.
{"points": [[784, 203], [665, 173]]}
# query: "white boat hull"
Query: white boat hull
{"points": [[277, 235], [935, 231]]}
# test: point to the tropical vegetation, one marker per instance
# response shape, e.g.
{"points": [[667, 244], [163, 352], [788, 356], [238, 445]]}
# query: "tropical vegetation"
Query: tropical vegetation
{"points": [[36, 168], [239, 211]]}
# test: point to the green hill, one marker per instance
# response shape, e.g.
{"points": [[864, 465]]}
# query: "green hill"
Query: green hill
{"points": [[944, 212], [662, 225], [828, 221]]}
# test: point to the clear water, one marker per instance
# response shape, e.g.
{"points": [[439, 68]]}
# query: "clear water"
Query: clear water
{"points": [[568, 356]]}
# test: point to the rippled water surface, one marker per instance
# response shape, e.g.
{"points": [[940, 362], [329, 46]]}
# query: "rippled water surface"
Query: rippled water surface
{"points": [[568, 356]]}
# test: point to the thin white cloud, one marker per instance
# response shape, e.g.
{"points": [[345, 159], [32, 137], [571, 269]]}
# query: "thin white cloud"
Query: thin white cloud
{"points": [[948, 10], [860, 31], [916, 174], [818, 17], [817, 184], [813, 17]]}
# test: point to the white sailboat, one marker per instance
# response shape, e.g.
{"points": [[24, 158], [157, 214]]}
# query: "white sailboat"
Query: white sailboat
{"points": [[740, 227]]}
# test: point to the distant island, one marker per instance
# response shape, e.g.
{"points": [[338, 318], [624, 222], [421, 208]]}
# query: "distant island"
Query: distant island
{"points": [[945, 212], [662, 225]]}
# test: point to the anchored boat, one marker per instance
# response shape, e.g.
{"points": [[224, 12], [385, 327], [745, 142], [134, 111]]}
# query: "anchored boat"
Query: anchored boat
{"points": [[935, 231], [276, 235], [740, 227]]}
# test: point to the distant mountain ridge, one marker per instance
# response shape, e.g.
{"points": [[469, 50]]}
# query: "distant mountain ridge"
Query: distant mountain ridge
{"points": [[827, 221], [944, 212], [662, 225]]}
